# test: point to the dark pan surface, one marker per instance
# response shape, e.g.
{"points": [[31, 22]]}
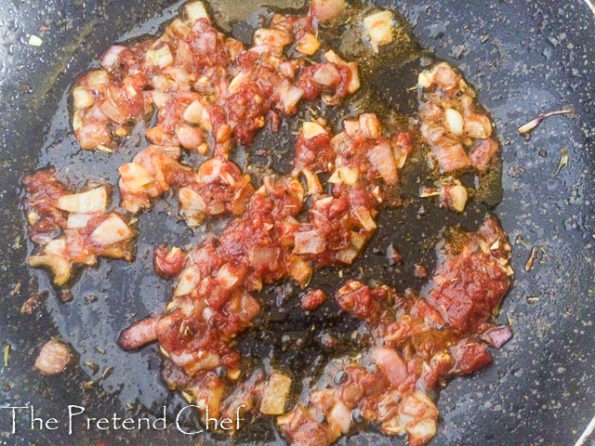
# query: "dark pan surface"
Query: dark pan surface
{"points": [[524, 58]]}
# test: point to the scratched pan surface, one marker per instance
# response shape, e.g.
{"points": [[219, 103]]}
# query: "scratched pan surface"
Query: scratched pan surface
{"points": [[524, 58]]}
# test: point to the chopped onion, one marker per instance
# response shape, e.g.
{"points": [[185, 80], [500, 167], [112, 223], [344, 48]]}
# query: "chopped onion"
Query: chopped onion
{"points": [[340, 416], [195, 11], [498, 336], [312, 129], [274, 395], [364, 217], [382, 160], [308, 242], [391, 364], [82, 98], [454, 197], [379, 27], [77, 221], [134, 178], [264, 255], [227, 277], [60, 267], [188, 280], [197, 113], [269, 37], [53, 358], [454, 121], [354, 82], [422, 431], [160, 57], [237, 81], [312, 183], [299, 270], [290, 96], [94, 200], [326, 10], [478, 126], [112, 56], [112, 230], [190, 200], [327, 75], [308, 44], [344, 175], [97, 79], [346, 256], [370, 125]]}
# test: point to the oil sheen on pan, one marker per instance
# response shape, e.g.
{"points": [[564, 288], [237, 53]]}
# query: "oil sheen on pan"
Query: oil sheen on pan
{"points": [[330, 262]]}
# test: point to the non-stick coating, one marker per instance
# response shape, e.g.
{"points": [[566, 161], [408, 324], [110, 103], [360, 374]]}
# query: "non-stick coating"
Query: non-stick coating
{"points": [[525, 57]]}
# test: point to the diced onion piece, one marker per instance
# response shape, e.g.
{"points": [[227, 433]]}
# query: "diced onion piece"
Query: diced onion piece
{"points": [[289, 99], [196, 11], [308, 242], [391, 364], [364, 217], [354, 82], [111, 57], [97, 79], [340, 416], [94, 200], [55, 247], [53, 358], [237, 81], [312, 182], [81, 98], [160, 57], [190, 200], [227, 277], [346, 256], [300, 270], [188, 280], [357, 240], [264, 255], [276, 38], [327, 75], [425, 79], [77, 221], [455, 197], [478, 126], [379, 27], [134, 177], [351, 127], [308, 44], [451, 158], [112, 230], [382, 160], [326, 10], [274, 395], [206, 361], [197, 113], [454, 121], [370, 125], [60, 267], [159, 98], [423, 430], [344, 175], [312, 129], [212, 170]]}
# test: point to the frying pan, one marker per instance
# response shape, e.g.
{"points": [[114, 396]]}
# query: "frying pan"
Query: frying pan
{"points": [[524, 58]]}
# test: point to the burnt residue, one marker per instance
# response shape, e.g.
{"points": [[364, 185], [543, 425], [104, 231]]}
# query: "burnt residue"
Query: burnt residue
{"points": [[524, 58]]}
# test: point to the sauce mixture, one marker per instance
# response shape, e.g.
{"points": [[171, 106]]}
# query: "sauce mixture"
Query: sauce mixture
{"points": [[203, 93]]}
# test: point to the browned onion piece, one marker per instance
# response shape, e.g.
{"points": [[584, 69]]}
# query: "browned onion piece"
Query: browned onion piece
{"points": [[53, 358]]}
